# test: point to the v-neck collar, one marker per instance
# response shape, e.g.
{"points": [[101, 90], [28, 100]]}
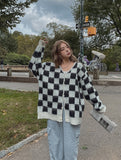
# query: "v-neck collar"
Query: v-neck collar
{"points": [[69, 69]]}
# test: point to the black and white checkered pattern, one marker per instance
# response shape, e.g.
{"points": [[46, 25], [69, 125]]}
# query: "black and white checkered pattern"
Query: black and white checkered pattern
{"points": [[59, 90]]}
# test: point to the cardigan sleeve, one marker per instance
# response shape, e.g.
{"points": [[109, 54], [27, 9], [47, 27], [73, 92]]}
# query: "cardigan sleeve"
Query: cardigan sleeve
{"points": [[35, 63], [89, 91]]}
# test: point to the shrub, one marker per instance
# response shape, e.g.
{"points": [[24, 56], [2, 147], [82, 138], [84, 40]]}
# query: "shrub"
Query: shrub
{"points": [[14, 59], [120, 65], [112, 67]]}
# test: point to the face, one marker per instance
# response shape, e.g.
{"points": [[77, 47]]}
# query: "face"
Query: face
{"points": [[65, 50]]}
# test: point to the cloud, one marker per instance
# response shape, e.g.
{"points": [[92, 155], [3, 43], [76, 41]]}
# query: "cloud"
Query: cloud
{"points": [[43, 12]]}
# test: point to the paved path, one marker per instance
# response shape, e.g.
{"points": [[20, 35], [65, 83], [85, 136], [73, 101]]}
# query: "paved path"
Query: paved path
{"points": [[115, 75], [34, 86], [19, 86], [95, 142]]}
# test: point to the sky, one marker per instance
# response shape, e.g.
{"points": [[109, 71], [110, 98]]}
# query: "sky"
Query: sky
{"points": [[43, 12]]}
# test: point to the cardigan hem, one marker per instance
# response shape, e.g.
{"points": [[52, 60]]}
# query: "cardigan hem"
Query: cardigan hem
{"points": [[73, 121]]}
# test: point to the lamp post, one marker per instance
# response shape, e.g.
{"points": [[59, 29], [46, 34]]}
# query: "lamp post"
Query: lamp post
{"points": [[81, 54]]}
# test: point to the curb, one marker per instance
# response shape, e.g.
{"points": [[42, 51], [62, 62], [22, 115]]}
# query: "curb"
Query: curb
{"points": [[105, 82], [22, 143], [19, 79]]}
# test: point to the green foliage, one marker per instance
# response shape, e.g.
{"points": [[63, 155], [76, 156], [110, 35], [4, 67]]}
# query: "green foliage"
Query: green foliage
{"points": [[8, 42], [113, 56], [112, 67], [118, 43], [105, 16], [16, 48], [2, 52], [11, 11], [72, 38], [27, 44], [13, 59], [62, 32], [120, 65], [16, 34]]}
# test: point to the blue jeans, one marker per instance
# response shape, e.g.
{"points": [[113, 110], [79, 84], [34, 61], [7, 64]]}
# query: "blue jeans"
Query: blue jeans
{"points": [[63, 140]]}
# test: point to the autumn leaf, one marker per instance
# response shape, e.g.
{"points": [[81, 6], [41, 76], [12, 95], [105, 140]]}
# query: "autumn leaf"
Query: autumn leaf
{"points": [[4, 112]]}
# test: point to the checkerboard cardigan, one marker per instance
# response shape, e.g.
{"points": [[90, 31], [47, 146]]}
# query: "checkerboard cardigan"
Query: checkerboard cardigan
{"points": [[59, 90]]}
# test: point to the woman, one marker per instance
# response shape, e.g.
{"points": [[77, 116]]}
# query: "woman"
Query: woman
{"points": [[63, 85]]}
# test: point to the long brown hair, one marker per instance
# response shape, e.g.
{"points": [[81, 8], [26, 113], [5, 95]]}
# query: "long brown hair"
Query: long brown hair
{"points": [[56, 56]]}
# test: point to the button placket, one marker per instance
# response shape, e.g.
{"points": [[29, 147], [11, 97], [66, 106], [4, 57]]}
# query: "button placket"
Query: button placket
{"points": [[63, 97]]}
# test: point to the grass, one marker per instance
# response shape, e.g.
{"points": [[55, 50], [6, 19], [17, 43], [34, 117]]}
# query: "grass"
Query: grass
{"points": [[18, 116]]}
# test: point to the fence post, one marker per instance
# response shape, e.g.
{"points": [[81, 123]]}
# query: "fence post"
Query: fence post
{"points": [[30, 74], [9, 72], [95, 74]]}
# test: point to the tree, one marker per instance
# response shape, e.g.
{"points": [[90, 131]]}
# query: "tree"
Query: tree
{"points": [[11, 11], [16, 34], [63, 32], [57, 28], [113, 56], [105, 15], [3, 52], [27, 44], [8, 43]]}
